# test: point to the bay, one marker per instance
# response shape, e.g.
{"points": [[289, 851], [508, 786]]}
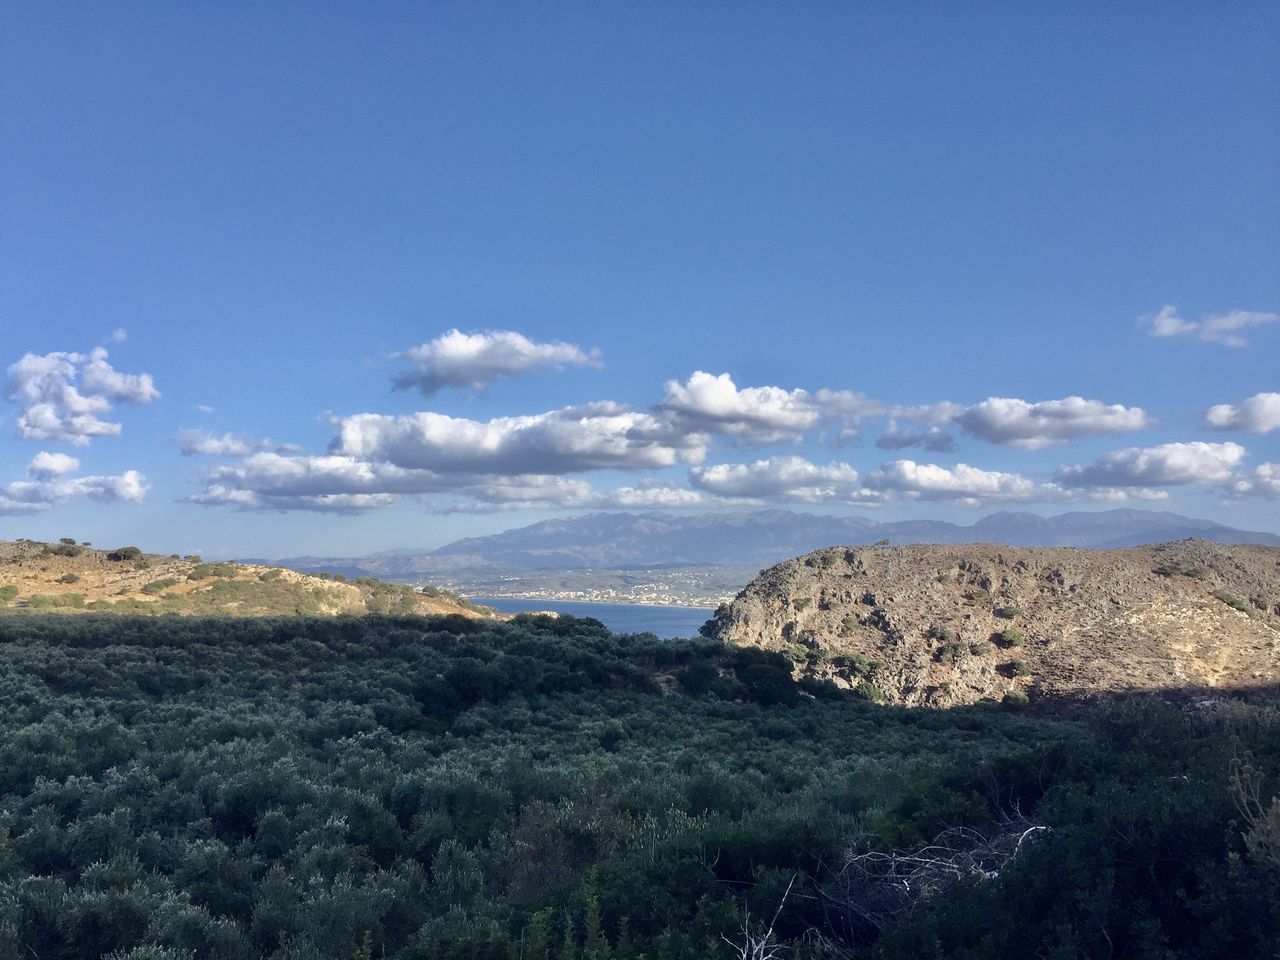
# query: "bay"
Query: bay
{"points": [[665, 621]]}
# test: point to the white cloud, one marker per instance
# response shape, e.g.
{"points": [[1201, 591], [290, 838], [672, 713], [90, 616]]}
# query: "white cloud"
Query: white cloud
{"points": [[49, 484], [326, 483], [99, 378], [56, 407], [1017, 423], [572, 439], [784, 478], [930, 413], [119, 335], [202, 443], [1263, 481], [205, 408], [45, 466], [1259, 414], [707, 403], [931, 437], [342, 484], [654, 496], [963, 484], [1170, 464], [1224, 328], [476, 360], [848, 409]]}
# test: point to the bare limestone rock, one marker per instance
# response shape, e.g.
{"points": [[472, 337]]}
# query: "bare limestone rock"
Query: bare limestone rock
{"points": [[951, 625]]}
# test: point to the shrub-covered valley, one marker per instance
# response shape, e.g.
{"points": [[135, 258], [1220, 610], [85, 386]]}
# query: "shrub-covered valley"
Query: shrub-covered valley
{"points": [[415, 787]]}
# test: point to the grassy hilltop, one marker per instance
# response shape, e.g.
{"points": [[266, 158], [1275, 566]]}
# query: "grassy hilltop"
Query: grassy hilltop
{"points": [[66, 577]]}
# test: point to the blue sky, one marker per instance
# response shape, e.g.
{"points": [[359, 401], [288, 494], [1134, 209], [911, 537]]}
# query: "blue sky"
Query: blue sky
{"points": [[952, 258]]}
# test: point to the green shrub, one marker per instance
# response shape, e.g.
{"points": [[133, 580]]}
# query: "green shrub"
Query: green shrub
{"points": [[981, 648], [801, 604], [1011, 637], [49, 601], [1020, 668], [1007, 612], [944, 634], [950, 652], [8, 592], [69, 578], [266, 576], [1231, 600], [1016, 700], [203, 571], [855, 663], [124, 553], [869, 691], [159, 586], [1175, 569]]}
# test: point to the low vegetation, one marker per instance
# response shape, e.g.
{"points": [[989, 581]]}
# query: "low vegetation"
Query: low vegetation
{"points": [[449, 788]]}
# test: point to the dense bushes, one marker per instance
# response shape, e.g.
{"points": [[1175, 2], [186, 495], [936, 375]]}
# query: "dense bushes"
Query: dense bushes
{"points": [[446, 788]]}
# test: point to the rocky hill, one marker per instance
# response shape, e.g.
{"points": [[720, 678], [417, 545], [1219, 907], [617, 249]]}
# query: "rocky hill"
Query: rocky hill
{"points": [[950, 625], [66, 577]]}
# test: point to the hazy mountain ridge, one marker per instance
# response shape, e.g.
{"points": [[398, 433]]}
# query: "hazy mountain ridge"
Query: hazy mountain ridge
{"points": [[956, 624], [763, 537]]}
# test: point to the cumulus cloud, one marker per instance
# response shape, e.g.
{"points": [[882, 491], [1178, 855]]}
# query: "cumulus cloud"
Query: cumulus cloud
{"points": [[202, 443], [46, 466], [1259, 414], [1170, 464], [62, 395], [784, 478], [325, 483], [343, 484], [49, 484], [476, 360], [1017, 423], [596, 436], [1224, 328], [707, 403], [963, 484], [1262, 481], [931, 437]]}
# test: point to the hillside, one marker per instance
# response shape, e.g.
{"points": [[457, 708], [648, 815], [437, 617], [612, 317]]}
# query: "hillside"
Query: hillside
{"points": [[757, 538], [950, 625], [66, 577]]}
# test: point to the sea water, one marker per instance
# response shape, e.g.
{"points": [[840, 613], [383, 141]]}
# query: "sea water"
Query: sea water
{"points": [[665, 621]]}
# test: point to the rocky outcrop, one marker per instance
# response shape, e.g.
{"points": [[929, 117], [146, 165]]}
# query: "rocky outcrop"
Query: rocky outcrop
{"points": [[952, 625]]}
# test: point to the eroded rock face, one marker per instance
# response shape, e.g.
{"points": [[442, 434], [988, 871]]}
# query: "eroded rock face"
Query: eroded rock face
{"points": [[950, 625]]}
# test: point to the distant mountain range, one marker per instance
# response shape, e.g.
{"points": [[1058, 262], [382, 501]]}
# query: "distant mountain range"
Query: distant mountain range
{"points": [[761, 537]]}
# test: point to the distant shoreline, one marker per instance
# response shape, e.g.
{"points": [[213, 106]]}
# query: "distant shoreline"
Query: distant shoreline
{"points": [[696, 603]]}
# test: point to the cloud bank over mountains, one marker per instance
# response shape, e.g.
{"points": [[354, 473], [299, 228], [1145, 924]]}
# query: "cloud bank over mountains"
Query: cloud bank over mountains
{"points": [[544, 460], [704, 441]]}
